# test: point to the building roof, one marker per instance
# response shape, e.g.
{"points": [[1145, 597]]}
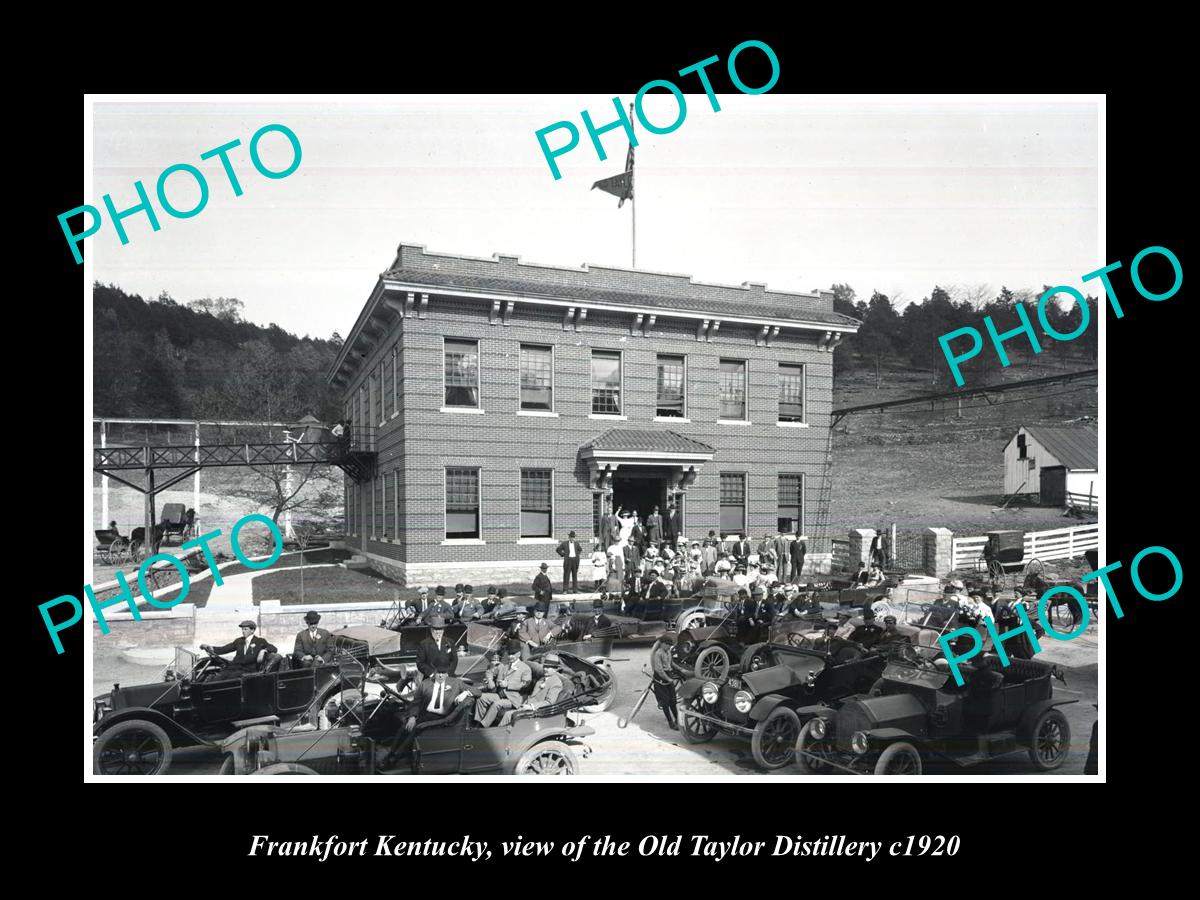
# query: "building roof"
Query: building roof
{"points": [[761, 303], [648, 440], [1075, 446]]}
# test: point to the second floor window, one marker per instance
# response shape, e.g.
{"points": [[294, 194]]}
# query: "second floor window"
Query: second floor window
{"points": [[670, 387], [606, 382], [733, 389], [537, 378], [791, 393], [462, 373]]}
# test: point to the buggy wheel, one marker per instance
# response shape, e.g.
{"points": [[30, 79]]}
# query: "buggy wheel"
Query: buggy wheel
{"points": [[806, 743], [757, 656], [133, 747], [547, 758], [712, 662], [900, 758], [695, 731], [1050, 740], [285, 769], [137, 551], [773, 743], [604, 700]]}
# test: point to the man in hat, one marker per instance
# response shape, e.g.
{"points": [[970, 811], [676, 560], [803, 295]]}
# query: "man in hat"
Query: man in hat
{"points": [[505, 605], [890, 634], [458, 595], [437, 697], [740, 550], [436, 653], [547, 690], [314, 646], [672, 523], [439, 607], [599, 622], [868, 633], [470, 608], [570, 551], [783, 557], [666, 676], [535, 632], [490, 601], [543, 590], [249, 652], [503, 684], [421, 603], [798, 550]]}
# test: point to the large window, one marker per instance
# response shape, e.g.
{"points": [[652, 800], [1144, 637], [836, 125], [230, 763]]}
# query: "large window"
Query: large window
{"points": [[671, 389], [791, 504], [462, 503], [537, 378], [462, 373], [537, 502], [733, 389], [791, 393], [733, 503], [606, 382], [389, 382]]}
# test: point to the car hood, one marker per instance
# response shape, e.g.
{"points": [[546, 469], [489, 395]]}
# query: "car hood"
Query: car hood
{"points": [[144, 695], [867, 713]]}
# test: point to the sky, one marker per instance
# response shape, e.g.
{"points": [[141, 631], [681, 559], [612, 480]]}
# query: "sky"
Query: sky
{"points": [[799, 192]]}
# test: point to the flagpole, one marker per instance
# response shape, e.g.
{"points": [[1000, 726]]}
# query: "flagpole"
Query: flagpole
{"points": [[632, 198]]}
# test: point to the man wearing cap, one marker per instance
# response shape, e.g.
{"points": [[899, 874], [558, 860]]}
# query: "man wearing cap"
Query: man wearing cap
{"points": [[535, 632], [598, 623], [543, 590], [503, 685], [439, 606], [546, 692], [249, 652], [436, 652], [470, 608], [666, 676], [570, 551], [314, 646]]}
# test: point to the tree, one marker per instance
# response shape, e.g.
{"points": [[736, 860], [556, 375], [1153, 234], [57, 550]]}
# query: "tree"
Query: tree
{"points": [[877, 337]]}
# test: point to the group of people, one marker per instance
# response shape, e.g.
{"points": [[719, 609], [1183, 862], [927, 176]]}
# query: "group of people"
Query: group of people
{"points": [[464, 606], [314, 646]]}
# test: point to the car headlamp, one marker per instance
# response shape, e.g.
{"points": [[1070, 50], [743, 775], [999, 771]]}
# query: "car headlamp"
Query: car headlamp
{"points": [[860, 743], [710, 692], [742, 701], [817, 728]]}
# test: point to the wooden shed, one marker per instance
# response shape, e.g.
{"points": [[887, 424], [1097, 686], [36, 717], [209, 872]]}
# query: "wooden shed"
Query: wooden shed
{"points": [[1054, 462]]}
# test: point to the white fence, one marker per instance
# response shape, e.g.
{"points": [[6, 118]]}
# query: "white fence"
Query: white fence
{"points": [[1060, 543], [1088, 502]]}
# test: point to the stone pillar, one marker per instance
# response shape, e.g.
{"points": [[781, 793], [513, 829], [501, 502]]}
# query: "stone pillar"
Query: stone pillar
{"points": [[860, 547], [938, 552]]}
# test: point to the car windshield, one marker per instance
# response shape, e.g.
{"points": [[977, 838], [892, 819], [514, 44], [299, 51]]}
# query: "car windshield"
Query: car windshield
{"points": [[914, 664], [937, 616], [182, 665]]}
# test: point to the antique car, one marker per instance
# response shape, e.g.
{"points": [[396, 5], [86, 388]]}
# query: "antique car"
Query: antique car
{"points": [[918, 714], [136, 729], [356, 738], [763, 705]]}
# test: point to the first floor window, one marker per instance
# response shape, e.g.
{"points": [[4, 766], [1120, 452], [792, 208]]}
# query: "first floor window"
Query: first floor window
{"points": [[791, 494], [670, 387], [537, 500], [733, 503], [791, 393], [733, 389], [462, 503]]}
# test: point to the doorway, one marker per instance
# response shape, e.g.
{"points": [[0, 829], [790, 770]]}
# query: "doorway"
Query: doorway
{"points": [[641, 490]]}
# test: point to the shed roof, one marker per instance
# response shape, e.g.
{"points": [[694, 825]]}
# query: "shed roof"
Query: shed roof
{"points": [[1075, 446]]}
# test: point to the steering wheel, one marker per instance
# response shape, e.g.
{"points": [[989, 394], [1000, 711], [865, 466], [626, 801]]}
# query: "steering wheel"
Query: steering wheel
{"points": [[207, 666]]}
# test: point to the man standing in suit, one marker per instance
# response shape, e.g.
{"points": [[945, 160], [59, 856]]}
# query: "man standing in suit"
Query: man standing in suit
{"points": [[249, 652], [654, 527], [314, 646], [798, 550], [543, 590], [637, 534], [673, 523], [741, 551], [537, 631], [608, 522], [765, 546], [570, 552], [503, 684], [436, 653], [783, 557]]}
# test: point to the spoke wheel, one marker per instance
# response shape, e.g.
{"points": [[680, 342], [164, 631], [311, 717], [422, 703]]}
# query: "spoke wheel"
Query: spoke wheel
{"points": [[807, 743], [774, 740], [694, 731], [285, 769], [900, 758], [757, 656], [1051, 740], [712, 663], [549, 758], [135, 747]]}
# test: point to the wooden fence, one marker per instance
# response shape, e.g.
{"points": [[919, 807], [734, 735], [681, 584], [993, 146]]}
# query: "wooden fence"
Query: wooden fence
{"points": [[1059, 543], [1087, 502]]}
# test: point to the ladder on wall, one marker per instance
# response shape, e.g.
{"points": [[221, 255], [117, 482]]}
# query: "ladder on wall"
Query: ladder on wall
{"points": [[822, 538]]}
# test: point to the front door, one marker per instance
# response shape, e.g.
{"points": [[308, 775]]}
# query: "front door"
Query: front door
{"points": [[640, 491]]}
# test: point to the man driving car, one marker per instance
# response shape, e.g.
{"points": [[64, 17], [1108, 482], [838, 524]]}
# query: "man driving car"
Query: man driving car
{"points": [[249, 652]]}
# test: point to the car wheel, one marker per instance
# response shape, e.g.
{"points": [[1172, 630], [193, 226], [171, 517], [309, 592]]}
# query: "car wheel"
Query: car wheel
{"points": [[695, 731], [285, 769], [900, 758], [712, 662], [688, 621], [132, 747], [809, 744], [1050, 740], [227, 765], [774, 740], [605, 700], [757, 656], [547, 758]]}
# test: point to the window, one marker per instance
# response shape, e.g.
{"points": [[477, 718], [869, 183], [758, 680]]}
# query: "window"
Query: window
{"points": [[791, 502], [597, 511], [1021, 448], [377, 385], [537, 501], [606, 382], [462, 373], [733, 389], [733, 503], [537, 377], [671, 387], [791, 393], [462, 503], [396, 523], [389, 381]]}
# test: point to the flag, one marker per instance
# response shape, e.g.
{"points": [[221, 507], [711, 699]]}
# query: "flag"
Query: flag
{"points": [[619, 185]]}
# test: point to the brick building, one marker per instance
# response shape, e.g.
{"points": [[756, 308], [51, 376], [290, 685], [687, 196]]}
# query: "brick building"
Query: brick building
{"points": [[501, 404]]}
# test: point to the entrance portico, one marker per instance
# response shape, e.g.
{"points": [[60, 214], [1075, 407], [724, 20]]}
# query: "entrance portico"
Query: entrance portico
{"points": [[643, 468]]}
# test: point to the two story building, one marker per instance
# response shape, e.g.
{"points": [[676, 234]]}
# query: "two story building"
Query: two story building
{"points": [[502, 404]]}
